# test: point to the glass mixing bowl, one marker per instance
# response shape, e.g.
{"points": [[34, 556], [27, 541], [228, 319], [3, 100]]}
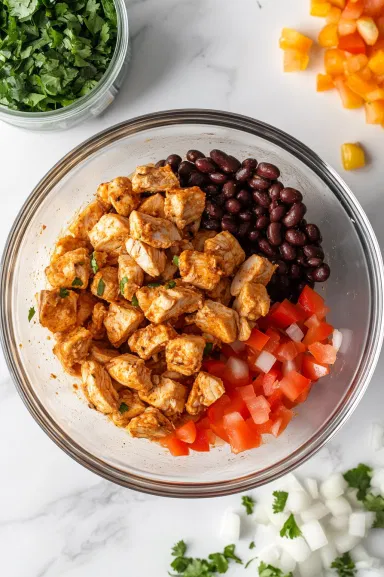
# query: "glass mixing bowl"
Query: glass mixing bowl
{"points": [[353, 292]]}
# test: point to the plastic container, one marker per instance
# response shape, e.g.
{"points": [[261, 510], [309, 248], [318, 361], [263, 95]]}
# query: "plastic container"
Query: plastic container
{"points": [[95, 102], [354, 292]]}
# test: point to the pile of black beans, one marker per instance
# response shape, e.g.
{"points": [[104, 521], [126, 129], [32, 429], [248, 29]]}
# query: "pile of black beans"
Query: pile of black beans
{"points": [[247, 199]]}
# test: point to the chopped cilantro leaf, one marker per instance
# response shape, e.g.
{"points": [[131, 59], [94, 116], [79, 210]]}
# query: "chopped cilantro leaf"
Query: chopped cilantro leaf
{"points": [[100, 288], [63, 292], [249, 562], [170, 284], [280, 501], [375, 503], [229, 553], [195, 567], [123, 282], [94, 265], [359, 478], [31, 313], [175, 260], [77, 282], [153, 284], [270, 571], [290, 528], [252, 545], [134, 301], [248, 503], [123, 408], [379, 521], [208, 349], [344, 566], [219, 561], [179, 549]]}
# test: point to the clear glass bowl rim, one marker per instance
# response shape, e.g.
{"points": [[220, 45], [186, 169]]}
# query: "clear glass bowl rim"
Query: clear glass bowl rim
{"points": [[90, 99], [346, 198]]}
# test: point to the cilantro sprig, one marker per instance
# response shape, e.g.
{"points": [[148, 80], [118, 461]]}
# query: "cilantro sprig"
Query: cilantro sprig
{"points": [[31, 313], [280, 501], [290, 529], [360, 478], [248, 503], [270, 571], [344, 566], [195, 567]]}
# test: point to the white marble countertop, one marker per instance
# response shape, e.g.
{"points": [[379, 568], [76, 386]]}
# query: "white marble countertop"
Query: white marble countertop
{"points": [[57, 518]]}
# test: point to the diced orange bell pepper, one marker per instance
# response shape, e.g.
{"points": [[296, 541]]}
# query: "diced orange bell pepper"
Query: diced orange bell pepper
{"points": [[333, 15], [368, 30], [324, 82], [353, 10], [374, 112], [291, 39], [319, 8], [328, 36], [334, 61], [349, 98], [357, 83], [376, 94], [380, 25], [352, 43], [355, 63], [352, 156], [339, 3], [376, 62], [346, 27], [295, 60]]}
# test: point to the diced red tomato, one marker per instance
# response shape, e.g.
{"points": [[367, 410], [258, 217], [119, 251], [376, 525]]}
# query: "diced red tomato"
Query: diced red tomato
{"points": [[257, 340], [175, 446], [312, 369], [186, 432], [219, 431], [293, 384], [276, 399], [318, 333], [300, 347], [201, 443], [312, 302], [281, 417], [258, 406], [265, 428], [274, 341], [216, 411], [241, 436], [352, 43], [353, 10], [374, 7], [325, 354], [303, 396], [286, 314], [236, 372], [286, 352], [204, 423], [237, 405], [270, 381]]}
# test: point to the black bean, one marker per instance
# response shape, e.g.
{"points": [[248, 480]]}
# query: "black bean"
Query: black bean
{"points": [[253, 235], [230, 189], [245, 215], [274, 233], [197, 179], [233, 206], [186, 168], [250, 162], [315, 262], [193, 155], [295, 271], [214, 211], [229, 224], [218, 177], [301, 260], [303, 224], [205, 165], [174, 161], [259, 183], [266, 248], [212, 189], [225, 162], [313, 251], [294, 215], [321, 274], [267, 170], [309, 274], [259, 210], [235, 163], [282, 267], [283, 283], [160, 163], [244, 173], [220, 199], [274, 190], [212, 224], [262, 222], [262, 198], [243, 229], [277, 213], [295, 237], [313, 233], [290, 195], [245, 197], [287, 251], [274, 204]]}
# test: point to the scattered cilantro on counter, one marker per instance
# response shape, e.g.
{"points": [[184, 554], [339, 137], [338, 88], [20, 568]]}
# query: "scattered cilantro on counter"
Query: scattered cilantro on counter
{"points": [[248, 503], [270, 571], [194, 567], [360, 479], [290, 528], [280, 501], [31, 313]]}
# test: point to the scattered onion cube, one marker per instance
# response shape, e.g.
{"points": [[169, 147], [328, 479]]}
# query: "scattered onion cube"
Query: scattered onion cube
{"points": [[311, 567], [357, 524], [334, 486], [339, 506], [287, 564], [344, 542], [298, 501], [314, 535], [359, 553], [269, 555], [370, 517], [337, 339], [260, 514], [339, 523], [296, 548], [312, 487], [230, 526], [377, 437], [265, 361], [328, 554], [295, 333], [315, 512]]}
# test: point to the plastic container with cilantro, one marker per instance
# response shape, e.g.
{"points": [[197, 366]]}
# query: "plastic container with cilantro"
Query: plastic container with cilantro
{"points": [[60, 62]]}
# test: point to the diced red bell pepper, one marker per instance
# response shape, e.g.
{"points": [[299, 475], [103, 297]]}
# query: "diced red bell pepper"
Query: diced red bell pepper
{"points": [[293, 384], [304, 395], [217, 410], [286, 352], [318, 333], [265, 428], [352, 43], [219, 431], [324, 354], [187, 432], [241, 436], [258, 406], [176, 447], [286, 314], [281, 417], [300, 347], [257, 340], [276, 399], [274, 341], [214, 367], [201, 443], [237, 405], [312, 369], [270, 381], [312, 303]]}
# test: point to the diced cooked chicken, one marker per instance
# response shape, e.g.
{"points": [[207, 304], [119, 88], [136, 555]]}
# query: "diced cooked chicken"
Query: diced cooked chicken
{"points": [[151, 424], [99, 259], [153, 205], [157, 232], [169, 396], [102, 354], [130, 371], [72, 269], [245, 327], [170, 269], [150, 340], [96, 326], [151, 260], [205, 391], [130, 406], [57, 313], [217, 320], [72, 348], [109, 233], [118, 193], [252, 301], [221, 292], [157, 365], [121, 322], [131, 276], [184, 205], [149, 178], [184, 354], [67, 244], [174, 375], [86, 220], [227, 250], [179, 247], [105, 284], [113, 255], [199, 269], [161, 304], [191, 229], [85, 304], [98, 387], [255, 269], [201, 237]]}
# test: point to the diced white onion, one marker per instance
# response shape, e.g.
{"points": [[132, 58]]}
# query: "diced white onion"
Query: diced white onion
{"points": [[328, 554], [230, 526], [339, 506], [337, 339], [260, 514], [344, 542], [316, 511], [238, 346], [347, 339], [370, 517], [377, 437], [351, 495], [270, 555], [359, 553], [265, 361], [377, 480], [334, 486], [311, 567], [298, 501], [290, 483], [339, 523], [357, 524], [287, 564], [314, 535], [238, 368], [296, 548], [311, 485], [277, 519], [295, 333]]}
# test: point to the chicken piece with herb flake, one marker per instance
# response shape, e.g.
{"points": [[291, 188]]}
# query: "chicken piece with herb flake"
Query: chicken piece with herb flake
{"points": [[72, 269], [169, 396], [227, 250], [121, 321], [57, 309], [255, 269], [199, 269], [200, 238], [183, 206], [99, 260], [130, 406], [85, 305], [96, 325], [149, 178], [157, 232], [118, 193], [151, 260], [98, 387], [72, 348], [222, 291], [217, 320], [105, 284], [109, 233], [162, 304], [67, 244], [150, 340], [151, 424], [153, 205], [130, 371], [252, 301], [205, 391], [102, 354], [86, 220], [245, 327], [131, 276], [184, 354]]}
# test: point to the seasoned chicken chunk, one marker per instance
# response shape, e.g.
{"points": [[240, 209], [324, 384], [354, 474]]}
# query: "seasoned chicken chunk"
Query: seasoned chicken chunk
{"points": [[255, 269], [86, 220], [153, 179], [151, 260], [72, 348], [170, 270], [184, 205], [217, 320], [130, 406], [153, 205], [98, 387], [221, 292], [150, 340], [57, 312], [245, 327], [85, 304], [110, 232], [179, 247], [102, 354], [96, 325], [131, 276], [157, 232], [205, 391], [199, 269], [201, 237], [169, 396], [227, 251], [121, 322], [166, 303], [72, 269], [151, 424], [99, 259], [67, 244], [105, 284], [252, 301], [191, 229], [130, 371], [118, 193], [184, 354]]}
